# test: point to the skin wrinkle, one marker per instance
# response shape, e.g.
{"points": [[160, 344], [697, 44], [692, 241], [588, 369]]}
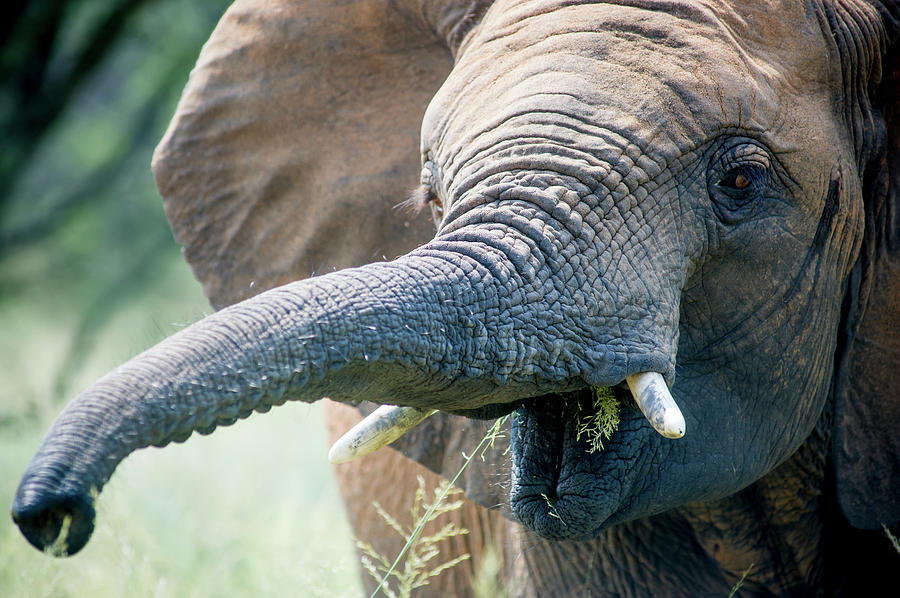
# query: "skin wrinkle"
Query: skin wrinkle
{"points": [[450, 21], [847, 25], [613, 144], [754, 319], [514, 177], [581, 164], [689, 13], [462, 95], [527, 157], [562, 370], [539, 236]]}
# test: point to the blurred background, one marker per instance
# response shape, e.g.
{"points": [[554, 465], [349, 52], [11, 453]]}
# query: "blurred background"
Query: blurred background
{"points": [[90, 276]]}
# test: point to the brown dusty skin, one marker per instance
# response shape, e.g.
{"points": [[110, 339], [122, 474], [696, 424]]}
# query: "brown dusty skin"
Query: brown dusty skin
{"points": [[395, 492]]}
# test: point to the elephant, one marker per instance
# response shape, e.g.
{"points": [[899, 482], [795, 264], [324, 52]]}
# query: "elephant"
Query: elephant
{"points": [[702, 192]]}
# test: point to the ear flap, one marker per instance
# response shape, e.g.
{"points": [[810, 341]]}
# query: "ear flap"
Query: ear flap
{"points": [[294, 139], [867, 392]]}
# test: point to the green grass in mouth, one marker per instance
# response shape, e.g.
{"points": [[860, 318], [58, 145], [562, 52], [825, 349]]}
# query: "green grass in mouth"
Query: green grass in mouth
{"points": [[601, 422]]}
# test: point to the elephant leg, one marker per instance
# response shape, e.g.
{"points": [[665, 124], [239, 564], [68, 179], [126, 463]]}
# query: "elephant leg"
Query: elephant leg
{"points": [[389, 478]]}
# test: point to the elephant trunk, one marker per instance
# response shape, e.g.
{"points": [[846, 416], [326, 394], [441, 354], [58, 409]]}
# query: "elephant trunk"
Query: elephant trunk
{"points": [[507, 303], [402, 332]]}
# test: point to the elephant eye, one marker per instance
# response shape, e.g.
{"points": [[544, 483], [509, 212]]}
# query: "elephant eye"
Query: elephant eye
{"points": [[738, 179], [428, 191], [437, 209], [425, 195]]}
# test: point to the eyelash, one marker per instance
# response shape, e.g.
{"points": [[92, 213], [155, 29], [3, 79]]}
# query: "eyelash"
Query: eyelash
{"points": [[424, 196]]}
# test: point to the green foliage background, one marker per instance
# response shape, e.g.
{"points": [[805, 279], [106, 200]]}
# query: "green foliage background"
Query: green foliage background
{"points": [[89, 276]]}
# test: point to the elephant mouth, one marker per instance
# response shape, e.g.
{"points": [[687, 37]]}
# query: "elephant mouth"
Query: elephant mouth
{"points": [[567, 482], [569, 450]]}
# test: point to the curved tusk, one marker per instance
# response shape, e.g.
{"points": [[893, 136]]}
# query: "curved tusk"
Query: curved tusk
{"points": [[380, 428], [388, 423], [653, 397]]}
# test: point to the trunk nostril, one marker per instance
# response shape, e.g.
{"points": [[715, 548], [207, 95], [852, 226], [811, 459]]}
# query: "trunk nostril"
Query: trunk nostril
{"points": [[60, 526]]}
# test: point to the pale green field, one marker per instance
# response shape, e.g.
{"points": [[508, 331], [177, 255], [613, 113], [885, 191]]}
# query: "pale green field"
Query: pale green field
{"points": [[90, 276], [251, 510]]}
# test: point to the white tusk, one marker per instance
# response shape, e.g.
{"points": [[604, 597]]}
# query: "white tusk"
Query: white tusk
{"points": [[380, 428], [653, 397]]}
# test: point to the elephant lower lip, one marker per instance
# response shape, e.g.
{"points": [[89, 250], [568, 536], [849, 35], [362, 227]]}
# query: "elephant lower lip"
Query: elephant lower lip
{"points": [[561, 489]]}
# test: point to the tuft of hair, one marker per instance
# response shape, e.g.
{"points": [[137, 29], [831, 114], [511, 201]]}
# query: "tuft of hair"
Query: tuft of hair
{"points": [[418, 199]]}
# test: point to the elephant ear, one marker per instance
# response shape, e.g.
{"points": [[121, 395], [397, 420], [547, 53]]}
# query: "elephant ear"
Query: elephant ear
{"points": [[294, 139], [297, 135], [867, 394]]}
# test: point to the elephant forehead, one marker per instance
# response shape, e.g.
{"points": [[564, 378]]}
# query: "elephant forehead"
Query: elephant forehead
{"points": [[662, 79], [774, 39]]}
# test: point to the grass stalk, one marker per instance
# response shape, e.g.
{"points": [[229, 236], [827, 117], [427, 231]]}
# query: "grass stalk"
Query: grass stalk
{"points": [[486, 442], [740, 582]]}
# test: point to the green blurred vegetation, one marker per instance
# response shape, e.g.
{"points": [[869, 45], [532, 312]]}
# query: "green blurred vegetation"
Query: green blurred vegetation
{"points": [[89, 276]]}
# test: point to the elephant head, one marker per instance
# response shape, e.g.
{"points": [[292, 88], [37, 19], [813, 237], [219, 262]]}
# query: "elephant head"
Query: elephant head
{"points": [[707, 192]]}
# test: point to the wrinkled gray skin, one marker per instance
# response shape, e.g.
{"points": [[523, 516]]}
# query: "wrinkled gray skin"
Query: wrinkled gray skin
{"points": [[656, 187]]}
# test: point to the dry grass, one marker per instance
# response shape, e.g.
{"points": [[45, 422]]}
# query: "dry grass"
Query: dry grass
{"points": [[414, 569], [418, 550]]}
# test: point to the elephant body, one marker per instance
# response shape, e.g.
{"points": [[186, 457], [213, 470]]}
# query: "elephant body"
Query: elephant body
{"points": [[706, 192]]}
